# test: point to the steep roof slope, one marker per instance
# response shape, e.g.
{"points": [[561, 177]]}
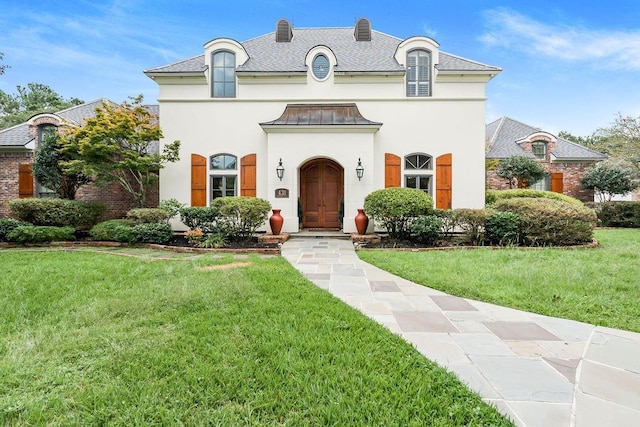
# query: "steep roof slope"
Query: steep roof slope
{"points": [[18, 136], [376, 55], [502, 136]]}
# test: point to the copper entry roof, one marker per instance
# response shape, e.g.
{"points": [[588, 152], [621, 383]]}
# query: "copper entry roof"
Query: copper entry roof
{"points": [[321, 115]]}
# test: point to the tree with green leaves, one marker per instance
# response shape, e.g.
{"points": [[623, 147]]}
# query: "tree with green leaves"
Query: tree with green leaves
{"points": [[33, 99], [2, 67], [591, 141], [49, 171], [116, 145], [612, 176], [520, 171], [622, 139]]}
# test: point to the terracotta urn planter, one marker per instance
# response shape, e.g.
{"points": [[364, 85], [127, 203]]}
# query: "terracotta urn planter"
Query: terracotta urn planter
{"points": [[362, 222], [275, 221]]}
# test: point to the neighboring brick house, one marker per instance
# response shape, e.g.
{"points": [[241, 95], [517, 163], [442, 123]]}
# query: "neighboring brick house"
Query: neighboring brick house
{"points": [[18, 144], [564, 161]]}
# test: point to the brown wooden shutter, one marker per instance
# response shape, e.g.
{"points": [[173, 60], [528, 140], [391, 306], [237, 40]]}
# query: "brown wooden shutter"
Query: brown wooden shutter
{"points": [[25, 180], [198, 180], [392, 166], [557, 182], [443, 181], [248, 175]]}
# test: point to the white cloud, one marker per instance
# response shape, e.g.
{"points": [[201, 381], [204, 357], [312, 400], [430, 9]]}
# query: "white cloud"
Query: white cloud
{"points": [[431, 32], [608, 49]]}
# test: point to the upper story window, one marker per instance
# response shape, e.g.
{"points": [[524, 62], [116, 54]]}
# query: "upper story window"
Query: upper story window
{"points": [[224, 175], [419, 73], [45, 132], [418, 170], [320, 66], [224, 74], [539, 149]]}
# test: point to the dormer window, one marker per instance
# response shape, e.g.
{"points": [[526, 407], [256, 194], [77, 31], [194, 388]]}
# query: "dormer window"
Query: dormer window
{"points": [[224, 74], [320, 66], [419, 73], [539, 149]]}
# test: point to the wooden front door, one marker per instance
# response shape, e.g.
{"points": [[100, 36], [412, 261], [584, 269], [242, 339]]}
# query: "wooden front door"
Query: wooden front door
{"points": [[321, 189]]}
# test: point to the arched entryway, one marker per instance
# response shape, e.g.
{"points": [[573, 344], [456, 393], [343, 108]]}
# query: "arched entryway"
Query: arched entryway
{"points": [[321, 190]]}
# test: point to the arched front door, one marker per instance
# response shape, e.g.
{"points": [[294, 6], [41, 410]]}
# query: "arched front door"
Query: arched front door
{"points": [[321, 190]]}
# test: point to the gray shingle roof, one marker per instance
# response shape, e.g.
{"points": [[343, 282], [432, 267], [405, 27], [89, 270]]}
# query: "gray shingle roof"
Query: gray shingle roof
{"points": [[18, 136], [502, 136], [377, 55], [15, 136]]}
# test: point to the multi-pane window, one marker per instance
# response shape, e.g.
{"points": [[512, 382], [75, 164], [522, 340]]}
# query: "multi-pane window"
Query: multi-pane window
{"points": [[320, 66], [224, 175], [419, 73], [539, 149], [418, 171], [544, 184], [45, 132], [224, 75]]}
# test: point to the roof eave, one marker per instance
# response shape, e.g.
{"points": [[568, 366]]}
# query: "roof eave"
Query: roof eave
{"points": [[241, 73], [373, 127], [154, 74], [492, 73], [370, 73]]}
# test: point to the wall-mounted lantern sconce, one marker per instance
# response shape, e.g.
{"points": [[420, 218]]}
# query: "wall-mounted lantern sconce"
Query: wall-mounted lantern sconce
{"points": [[359, 170], [280, 170]]}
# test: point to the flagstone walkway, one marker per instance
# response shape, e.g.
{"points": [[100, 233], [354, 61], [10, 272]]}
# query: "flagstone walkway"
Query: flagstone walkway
{"points": [[537, 370]]}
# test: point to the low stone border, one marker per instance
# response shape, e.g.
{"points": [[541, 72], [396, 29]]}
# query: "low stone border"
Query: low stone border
{"points": [[178, 249], [274, 238], [593, 244]]}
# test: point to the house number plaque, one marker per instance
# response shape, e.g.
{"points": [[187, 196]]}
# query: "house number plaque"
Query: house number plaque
{"points": [[282, 193]]}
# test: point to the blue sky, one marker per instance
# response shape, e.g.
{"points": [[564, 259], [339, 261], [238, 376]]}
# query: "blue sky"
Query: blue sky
{"points": [[568, 65]]}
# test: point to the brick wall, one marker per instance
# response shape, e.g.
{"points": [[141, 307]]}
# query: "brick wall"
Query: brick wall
{"points": [[572, 173], [118, 201], [9, 162]]}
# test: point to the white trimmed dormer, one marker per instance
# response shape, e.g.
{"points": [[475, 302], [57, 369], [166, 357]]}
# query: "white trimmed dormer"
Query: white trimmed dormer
{"points": [[419, 55], [222, 57]]}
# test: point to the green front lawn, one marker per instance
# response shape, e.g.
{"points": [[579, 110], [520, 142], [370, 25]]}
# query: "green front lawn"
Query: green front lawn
{"points": [[594, 285], [96, 339]]}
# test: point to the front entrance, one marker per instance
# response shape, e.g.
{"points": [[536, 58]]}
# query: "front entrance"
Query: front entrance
{"points": [[321, 190]]}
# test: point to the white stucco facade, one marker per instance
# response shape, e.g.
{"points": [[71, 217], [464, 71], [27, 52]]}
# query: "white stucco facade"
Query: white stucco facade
{"points": [[450, 120]]}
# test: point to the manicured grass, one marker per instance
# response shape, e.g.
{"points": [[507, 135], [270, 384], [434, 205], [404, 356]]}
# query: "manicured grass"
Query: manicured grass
{"points": [[594, 285], [96, 339]]}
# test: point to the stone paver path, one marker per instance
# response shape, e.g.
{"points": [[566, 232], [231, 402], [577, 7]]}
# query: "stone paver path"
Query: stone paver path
{"points": [[537, 370]]}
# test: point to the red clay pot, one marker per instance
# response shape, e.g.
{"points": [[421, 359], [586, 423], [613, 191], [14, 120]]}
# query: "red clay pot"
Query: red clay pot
{"points": [[275, 221], [362, 222]]}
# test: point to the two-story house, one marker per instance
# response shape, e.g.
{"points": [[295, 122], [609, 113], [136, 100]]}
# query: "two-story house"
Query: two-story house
{"points": [[314, 119]]}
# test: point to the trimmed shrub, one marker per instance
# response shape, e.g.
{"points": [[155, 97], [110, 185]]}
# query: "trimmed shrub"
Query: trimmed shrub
{"points": [[7, 225], [57, 212], [171, 206], [213, 241], [449, 221], [550, 222], [492, 196], [40, 234], [148, 215], [153, 233], [114, 230], [619, 214], [502, 228], [472, 223], [394, 208], [240, 217], [426, 229], [203, 218]]}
